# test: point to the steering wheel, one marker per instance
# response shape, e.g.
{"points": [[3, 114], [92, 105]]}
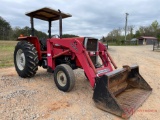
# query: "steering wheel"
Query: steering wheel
{"points": [[55, 36]]}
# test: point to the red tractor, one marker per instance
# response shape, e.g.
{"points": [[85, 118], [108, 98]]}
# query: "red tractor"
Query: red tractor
{"points": [[116, 91]]}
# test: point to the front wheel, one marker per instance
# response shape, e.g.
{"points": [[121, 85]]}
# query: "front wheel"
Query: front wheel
{"points": [[64, 77]]}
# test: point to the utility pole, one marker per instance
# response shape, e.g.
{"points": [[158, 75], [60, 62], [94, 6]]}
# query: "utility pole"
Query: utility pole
{"points": [[126, 25]]}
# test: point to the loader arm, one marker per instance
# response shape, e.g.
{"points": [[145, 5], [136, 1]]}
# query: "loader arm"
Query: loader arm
{"points": [[76, 48], [119, 92]]}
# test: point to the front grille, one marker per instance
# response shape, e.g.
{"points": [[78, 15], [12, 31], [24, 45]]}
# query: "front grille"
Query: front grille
{"points": [[92, 45]]}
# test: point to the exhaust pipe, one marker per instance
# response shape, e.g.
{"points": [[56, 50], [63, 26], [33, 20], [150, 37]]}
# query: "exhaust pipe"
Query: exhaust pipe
{"points": [[60, 24]]}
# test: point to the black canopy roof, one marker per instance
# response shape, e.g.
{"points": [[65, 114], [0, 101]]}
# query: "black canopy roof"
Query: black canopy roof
{"points": [[47, 14]]}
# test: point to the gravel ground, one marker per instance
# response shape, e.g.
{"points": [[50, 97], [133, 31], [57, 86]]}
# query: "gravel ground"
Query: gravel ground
{"points": [[38, 98]]}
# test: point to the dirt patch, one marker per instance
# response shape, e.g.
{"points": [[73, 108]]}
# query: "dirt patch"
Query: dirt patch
{"points": [[58, 105], [38, 98]]}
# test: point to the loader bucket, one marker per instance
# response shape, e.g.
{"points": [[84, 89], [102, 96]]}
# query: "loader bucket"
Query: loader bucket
{"points": [[121, 91]]}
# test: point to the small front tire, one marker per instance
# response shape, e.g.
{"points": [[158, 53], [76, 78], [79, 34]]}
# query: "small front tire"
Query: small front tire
{"points": [[64, 77]]}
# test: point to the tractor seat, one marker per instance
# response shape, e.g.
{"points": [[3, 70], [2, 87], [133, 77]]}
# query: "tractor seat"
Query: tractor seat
{"points": [[43, 44]]}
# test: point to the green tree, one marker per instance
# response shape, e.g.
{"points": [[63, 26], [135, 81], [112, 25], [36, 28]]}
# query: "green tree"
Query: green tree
{"points": [[16, 33], [69, 36], [5, 29], [155, 26], [26, 31], [137, 34], [103, 39]]}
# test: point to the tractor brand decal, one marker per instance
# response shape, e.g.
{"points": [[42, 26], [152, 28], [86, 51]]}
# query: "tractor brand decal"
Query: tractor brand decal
{"points": [[74, 46], [103, 71]]}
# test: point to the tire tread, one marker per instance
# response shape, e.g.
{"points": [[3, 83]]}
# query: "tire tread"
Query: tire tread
{"points": [[31, 57]]}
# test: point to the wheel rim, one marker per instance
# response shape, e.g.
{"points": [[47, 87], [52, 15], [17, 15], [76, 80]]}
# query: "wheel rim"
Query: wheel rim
{"points": [[20, 59], [61, 78]]}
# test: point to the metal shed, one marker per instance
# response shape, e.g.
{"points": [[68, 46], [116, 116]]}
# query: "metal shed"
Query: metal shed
{"points": [[146, 40]]}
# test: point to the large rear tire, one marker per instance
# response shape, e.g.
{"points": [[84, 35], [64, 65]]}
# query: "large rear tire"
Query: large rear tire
{"points": [[25, 59], [64, 77]]}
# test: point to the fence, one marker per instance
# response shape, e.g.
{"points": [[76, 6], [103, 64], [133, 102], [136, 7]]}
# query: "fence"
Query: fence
{"points": [[156, 46], [122, 42]]}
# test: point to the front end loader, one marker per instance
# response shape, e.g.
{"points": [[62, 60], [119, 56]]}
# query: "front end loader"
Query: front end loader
{"points": [[118, 91]]}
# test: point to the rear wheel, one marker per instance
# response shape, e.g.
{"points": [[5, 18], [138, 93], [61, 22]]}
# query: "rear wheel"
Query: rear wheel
{"points": [[25, 59], [64, 77]]}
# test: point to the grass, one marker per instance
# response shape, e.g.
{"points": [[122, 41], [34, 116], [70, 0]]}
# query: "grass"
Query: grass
{"points": [[6, 53]]}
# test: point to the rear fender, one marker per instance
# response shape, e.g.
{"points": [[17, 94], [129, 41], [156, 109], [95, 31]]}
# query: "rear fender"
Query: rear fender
{"points": [[35, 42]]}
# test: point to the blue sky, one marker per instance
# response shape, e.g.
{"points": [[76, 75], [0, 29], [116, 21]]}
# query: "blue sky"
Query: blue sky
{"points": [[89, 18]]}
